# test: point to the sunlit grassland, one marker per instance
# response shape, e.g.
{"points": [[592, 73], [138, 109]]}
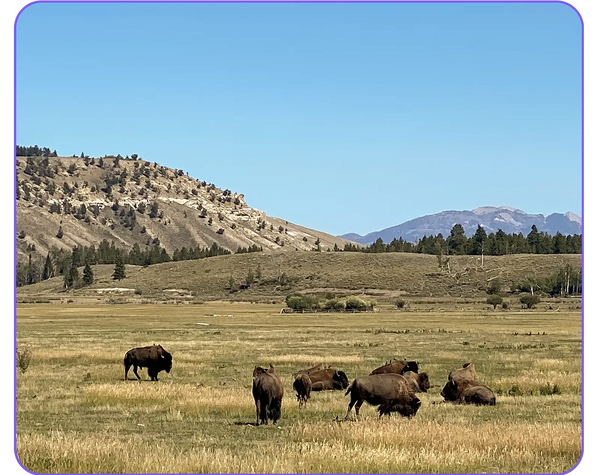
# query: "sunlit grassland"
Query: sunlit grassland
{"points": [[75, 412]]}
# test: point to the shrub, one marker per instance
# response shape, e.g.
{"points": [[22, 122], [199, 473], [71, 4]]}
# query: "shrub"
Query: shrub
{"points": [[356, 303], [494, 287], [302, 302], [530, 300], [504, 305], [23, 359], [549, 390], [400, 303], [515, 391], [494, 300]]}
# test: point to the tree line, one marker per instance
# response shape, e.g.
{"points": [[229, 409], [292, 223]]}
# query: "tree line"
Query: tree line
{"points": [[66, 263], [492, 244]]}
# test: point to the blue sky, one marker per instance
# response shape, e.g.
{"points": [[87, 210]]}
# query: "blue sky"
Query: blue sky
{"points": [[339, 117]]}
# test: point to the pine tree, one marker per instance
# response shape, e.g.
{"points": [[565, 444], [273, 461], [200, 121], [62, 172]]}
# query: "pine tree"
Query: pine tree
{"points": [[88, 275], [48, 268], [119, 272]]}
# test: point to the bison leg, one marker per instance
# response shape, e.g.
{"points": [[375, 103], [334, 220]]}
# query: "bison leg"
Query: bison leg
{"points": [[257, 403], [352, 404], [127, 366]]}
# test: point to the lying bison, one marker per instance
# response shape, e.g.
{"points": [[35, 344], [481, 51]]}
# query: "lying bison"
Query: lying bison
{"points": [[303, 386], [397, 367], [328, 379], [391, 392], [468, 392], [154, 357], [268, 393], [466, 373], [315, 368], [418, 382]]}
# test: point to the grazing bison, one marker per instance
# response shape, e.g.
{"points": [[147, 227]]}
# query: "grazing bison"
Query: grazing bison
{"points": [[468, 392], [397, 367], [154, 357], [268, 393], [419, 382], [466, 373], [328, 379], [302, 385], [391, 392]]}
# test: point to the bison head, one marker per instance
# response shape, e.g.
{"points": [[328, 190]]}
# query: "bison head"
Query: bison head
{"points": [[166, 361], [341, 377], [258, 371], [406, 409], [450, 391], [424, 382], [410, 366]]}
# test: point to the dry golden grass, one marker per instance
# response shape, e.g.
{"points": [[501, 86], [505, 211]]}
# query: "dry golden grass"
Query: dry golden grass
{"points": [[76, 414]]}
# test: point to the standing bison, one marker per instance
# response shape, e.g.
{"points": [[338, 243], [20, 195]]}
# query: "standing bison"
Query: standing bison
{"points": [[154, 357], [268, 393], [391, 392], [303, 386]]}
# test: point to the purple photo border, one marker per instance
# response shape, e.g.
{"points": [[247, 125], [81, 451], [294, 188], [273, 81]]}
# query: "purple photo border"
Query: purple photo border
{"points": [[13, 187]]}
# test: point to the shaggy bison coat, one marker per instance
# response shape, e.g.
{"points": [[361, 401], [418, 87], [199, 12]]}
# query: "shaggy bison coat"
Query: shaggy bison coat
{"points": [[468, 392], [303, 386], [391, 392], [466, 373], [154, 357], [418, 382], [328, 379], [268, 393], [397, 367]]}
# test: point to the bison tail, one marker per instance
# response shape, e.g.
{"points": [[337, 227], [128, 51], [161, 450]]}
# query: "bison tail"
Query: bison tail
{"points": [[350, 387]]}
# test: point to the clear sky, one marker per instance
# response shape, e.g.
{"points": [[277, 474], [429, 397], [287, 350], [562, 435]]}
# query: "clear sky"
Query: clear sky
{"points": [[339, 117]]}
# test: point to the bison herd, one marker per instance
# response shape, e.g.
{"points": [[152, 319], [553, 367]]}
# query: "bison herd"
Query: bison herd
{"points": [[391, 387]]}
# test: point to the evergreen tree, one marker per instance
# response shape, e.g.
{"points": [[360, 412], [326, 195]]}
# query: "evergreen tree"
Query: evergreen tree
{"points": [[48, 268], [533, 240], [457, 240], [119, 272], [88, 275]]}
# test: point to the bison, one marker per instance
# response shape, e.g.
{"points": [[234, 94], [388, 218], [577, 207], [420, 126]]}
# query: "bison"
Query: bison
{"points": [[303, 386], [468, 392], [419, 382], [391, 392], [315, 368], [268, 393], [397, 367], [154, 357], [328, 379], [467, 372]]}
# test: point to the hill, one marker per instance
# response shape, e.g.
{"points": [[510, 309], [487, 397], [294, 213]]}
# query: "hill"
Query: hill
{"points": [[64, 202], [510, 220], [277, 274]]}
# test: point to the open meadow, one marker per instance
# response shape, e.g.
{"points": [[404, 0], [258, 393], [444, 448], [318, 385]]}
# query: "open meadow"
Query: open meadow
{"points": [[76, 414]]}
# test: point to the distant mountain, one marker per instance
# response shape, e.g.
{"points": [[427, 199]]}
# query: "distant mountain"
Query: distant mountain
{"points": [[510, 220]]}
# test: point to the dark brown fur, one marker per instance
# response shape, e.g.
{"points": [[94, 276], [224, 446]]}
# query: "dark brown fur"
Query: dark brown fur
{"points": [[391, 392], [268, 393], [419, 381], [154, 357], [397, 367], [303, 386], [468, 392], [330, 379]]}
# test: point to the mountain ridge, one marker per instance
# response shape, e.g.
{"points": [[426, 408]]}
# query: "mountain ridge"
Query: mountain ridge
{"points": [[491, 218]]}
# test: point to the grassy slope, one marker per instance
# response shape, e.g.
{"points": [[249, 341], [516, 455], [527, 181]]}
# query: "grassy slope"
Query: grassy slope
{"points": [[383, 276], [76, 414]]}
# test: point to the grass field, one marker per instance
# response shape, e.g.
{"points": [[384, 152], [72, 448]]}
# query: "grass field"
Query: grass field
{"points": [[75, 413]]}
